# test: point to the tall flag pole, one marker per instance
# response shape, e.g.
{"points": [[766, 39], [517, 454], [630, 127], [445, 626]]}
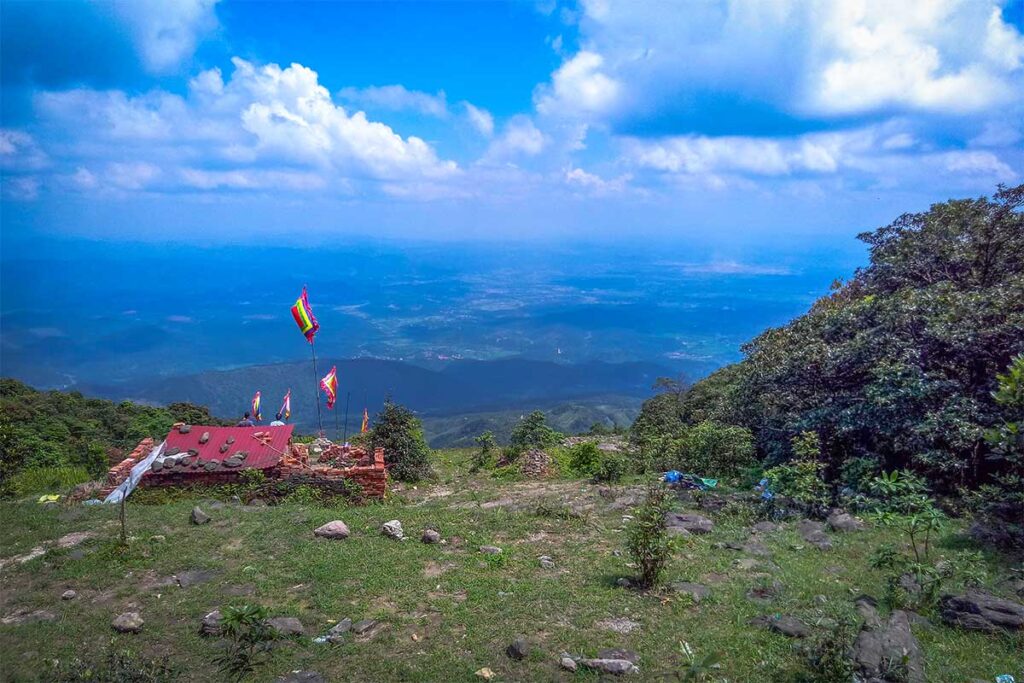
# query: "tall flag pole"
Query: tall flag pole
{"points": [[348, 395], [256, 407], [304, 318], [286, 407]]}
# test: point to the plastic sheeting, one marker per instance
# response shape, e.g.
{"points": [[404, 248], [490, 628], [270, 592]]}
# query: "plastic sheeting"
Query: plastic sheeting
{"points": [[129, 484]]}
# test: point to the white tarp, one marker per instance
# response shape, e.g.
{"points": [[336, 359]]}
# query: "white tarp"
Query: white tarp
{"points": [[129, 484]]}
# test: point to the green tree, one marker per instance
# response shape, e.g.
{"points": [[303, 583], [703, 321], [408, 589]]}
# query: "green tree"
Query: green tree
{"points": [[533, 432], [400, 434], [717, 450]]}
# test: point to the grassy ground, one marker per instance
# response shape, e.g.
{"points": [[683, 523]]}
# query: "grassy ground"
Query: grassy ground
{"points": [[447, 610]]}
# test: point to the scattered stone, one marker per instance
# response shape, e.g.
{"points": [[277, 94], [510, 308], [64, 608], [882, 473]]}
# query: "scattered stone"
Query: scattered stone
{"points": [[878, 647], [814, 533], [198, 516], [223, 448], [232, 462], [746, 564], [688, 523], [337, 632], [567, 663], [620, 625], [393, 529], [362, 626], [842, 521], [754, 547], [301, 677], [615, 667], [211, 624], [546, 562], [766, 592], [173, 450], [535, 464], [782, 623], [977, 610], [129, 622], [519, 649], [618, 653], [192, 577], [24, 616], [765, 528], [205, 437], [287, 626], [696, 591], [230, 440], [211, 465], [184, 429], [490, 550], [485, 674], [335, 530], [431, 536], [68, 595]]}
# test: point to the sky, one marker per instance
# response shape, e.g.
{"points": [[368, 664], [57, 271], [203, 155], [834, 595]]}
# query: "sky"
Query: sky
{"points": [[709, 121]]}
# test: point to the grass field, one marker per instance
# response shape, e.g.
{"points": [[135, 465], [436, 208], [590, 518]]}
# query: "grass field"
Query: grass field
{"points": [[446, 610]]}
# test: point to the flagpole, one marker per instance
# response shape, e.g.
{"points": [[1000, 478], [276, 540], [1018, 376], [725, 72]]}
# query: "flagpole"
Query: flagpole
{"points": [[316, 388], [348, 395]]}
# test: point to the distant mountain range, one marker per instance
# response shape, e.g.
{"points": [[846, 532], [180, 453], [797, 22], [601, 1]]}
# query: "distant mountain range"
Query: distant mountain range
{"points": [[457, 401]]}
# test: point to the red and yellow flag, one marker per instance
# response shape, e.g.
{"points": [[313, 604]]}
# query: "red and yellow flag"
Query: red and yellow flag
{"points": [[304, 318], [330, 386], [256, 407], [366, 422], [286, 407]]}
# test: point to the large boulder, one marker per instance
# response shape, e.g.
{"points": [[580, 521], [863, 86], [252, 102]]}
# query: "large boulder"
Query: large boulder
{"points": [[336, 530], [980, 611], [688, 523], [287, 626], [889, 651]]}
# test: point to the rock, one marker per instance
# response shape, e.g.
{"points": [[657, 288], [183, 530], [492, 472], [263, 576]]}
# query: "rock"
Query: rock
{"points": [[223, 448], [431, 536], [393, 529], [909, 584], [362, 626], [766, 592], [753, 547], [232, 463], [519, 649], [490, 550], [129, 622], [624, 582], [192, 577], [567, 663], [782, 623], [535, 463], [746, 564], [338, 631], [841, 521], [205, 437], [211, 624], [198, 516], [211, 465], [878, 647], [546, 562], [230, 440], [688, 523], [485, 674], [184, 429], [157, 465], [618, 653], [68, 595], [977, 610], [765, 528], [173, 450], [24, 616], [620, 625], [335, 530], [301, 677], [616, 667], [287, 626], [814, 533], [696, 591]]}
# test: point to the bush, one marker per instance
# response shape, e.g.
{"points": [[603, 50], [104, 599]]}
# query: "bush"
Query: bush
{"points": [[714, 449], [647, 538], [486, 444], [584, 458], [249, 639], [47, 480], [802, 480], [533, 432], [400, 434], [118, 666], [611, 467]]}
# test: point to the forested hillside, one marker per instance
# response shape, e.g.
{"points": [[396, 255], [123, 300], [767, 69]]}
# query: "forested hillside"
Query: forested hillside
{"points": [[894, 369]]}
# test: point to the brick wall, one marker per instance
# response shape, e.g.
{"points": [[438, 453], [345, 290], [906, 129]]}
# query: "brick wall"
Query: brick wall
{"points": [[119, 472]]}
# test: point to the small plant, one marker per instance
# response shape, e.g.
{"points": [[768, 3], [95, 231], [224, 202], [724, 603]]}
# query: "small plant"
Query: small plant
{"points": [[249, 638], [826, 657], [696, 668], [648, 540], [304, 494], [118, 666], [486, 445]]}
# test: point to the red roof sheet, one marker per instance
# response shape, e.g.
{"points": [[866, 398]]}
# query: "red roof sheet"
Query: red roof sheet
{"points": [[264, 444]]}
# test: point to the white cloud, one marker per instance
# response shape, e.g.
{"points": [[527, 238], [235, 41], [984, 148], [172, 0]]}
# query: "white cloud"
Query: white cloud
{"points": [[397, 98], [480, 119], [757, 156], [20, 152], [581, 179], [578, 86], [520, 137], [166, 33]]}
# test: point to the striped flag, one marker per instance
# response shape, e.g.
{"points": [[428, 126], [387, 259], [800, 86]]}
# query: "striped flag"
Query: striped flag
{"points": [[366, 422], [304, 318], [256, 407], [330, 386], [286, 407]]}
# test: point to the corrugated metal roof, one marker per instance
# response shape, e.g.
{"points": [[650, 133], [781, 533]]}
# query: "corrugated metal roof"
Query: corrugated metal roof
{"points": [[263, 445]]}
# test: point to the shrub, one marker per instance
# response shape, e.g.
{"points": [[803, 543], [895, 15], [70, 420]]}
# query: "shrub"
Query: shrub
{"points": [[802, 480], [647, 537], [486, 444], [400, 434], [826, 656], [584, 458], [118, 666], [714, 449], [533, 432], [47, 480], [611, 467]]}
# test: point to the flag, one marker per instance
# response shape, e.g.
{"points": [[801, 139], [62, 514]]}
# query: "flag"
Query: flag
{"points": [[286, 407], [304, 318], [256, 407], [366, 422], [330, 386]]}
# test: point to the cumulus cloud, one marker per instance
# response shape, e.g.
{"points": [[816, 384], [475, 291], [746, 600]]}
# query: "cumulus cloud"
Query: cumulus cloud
{"points": [[593, 183], [480, 119], [578, 86], [264, 127], [519, 138], [397, 98], [166, 34]]}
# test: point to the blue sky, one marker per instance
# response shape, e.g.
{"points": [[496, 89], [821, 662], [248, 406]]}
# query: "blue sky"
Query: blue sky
{"points": [[732, 123]]}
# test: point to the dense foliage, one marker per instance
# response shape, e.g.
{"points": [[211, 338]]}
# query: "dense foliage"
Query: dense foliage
{"points": [[895, 368], [400, 434], [533, 432], [55, 430]]}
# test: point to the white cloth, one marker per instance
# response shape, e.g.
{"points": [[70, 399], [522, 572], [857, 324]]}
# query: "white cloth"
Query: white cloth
{"points": [[129, 484]]}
